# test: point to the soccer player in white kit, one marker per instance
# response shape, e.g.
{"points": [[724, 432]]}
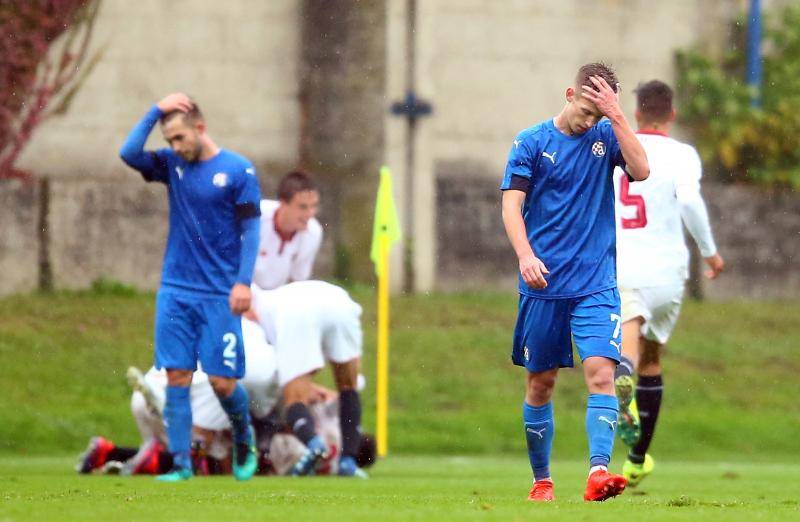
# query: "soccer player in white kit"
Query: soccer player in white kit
{"points": [[653, 265], [310, 323]]}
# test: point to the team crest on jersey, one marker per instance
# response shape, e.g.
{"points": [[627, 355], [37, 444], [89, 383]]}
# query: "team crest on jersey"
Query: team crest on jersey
{"points": [[599, 149], [220, 179]]}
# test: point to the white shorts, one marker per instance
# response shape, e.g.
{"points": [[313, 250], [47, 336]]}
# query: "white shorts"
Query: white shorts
{"points": [[207, 412], [261, 372], [659, 306], [305, 342]]}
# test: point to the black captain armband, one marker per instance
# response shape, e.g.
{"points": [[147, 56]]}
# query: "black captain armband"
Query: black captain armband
{"points": [[519, 183], [247, 211]]}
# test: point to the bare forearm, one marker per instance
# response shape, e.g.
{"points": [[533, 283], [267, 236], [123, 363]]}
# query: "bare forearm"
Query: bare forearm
{"points": [[515, 229]]}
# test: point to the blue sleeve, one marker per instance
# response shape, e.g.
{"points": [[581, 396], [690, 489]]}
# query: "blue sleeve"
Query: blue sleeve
{"points": [[248, 211], [250, 238], [521, 162], [151, 164]]}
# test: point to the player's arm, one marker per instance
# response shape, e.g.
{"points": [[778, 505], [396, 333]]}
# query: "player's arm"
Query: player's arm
{"points": [[304, 264], [607, 101], [695, 215], [248, 214], [148, 163], [531, 267]]}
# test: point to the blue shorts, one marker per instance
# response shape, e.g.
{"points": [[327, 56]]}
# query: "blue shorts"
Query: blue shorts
{"points": [[544, 327], [191, 328]]}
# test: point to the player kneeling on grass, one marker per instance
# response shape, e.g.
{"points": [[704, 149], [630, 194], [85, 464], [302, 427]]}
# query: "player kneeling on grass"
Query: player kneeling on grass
{"points": [[653, 265], [309, 323]]}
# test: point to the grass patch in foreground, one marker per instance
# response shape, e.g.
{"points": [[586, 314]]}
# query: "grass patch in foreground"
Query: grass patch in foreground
{"points": [[402, 488]]}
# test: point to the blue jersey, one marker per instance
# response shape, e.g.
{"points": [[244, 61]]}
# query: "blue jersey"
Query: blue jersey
{"points": [[213, 214], [569, 207]]}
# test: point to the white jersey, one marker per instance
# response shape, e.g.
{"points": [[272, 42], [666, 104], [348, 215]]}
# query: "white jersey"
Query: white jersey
{"points": [[283, 259], [651, 250]]}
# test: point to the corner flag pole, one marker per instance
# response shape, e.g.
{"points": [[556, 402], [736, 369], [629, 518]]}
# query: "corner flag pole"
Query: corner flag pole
{"points": [[385, 231], [382, 416]]}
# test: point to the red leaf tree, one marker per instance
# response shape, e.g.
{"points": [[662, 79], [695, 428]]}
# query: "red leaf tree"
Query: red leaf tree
{"points": [[43, 61]]}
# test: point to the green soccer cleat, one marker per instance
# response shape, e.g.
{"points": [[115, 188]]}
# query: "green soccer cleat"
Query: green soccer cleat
{"points": [[245, 459], [635, 473], [628, 419], [176, 475]]}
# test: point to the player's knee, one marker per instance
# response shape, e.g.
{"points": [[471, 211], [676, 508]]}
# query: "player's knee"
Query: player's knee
{"points": [[540, 389], [601, 380], [650, 356], [182, 378], [223, 386], [346, 375], [138, 405]]}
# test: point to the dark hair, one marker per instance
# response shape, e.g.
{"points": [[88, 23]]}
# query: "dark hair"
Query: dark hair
{"points": [[294, 182], [596, 69], [654, 100], [367, 451], [193, 116]]}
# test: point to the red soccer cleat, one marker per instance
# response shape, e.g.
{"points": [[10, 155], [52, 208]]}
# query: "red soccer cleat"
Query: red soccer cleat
{"points": [[542, 491], [95, 455], [603, 485]]}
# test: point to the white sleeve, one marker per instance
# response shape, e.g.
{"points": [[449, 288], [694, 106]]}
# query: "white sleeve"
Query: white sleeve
{"points": [[304, 263], [693, 208]]}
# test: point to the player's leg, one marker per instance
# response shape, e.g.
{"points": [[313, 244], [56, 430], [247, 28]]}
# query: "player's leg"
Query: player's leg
{"points": [[342, 346], [636, 313], [537, 415], [628, 417], [297, 395], [596, 329], [542, 345], [222, 355], [649, 389], [346, 378], [176, 335], [665, 303]]}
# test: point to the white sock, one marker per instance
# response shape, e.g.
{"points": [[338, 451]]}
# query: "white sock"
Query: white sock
{"points": [[597, 468]]}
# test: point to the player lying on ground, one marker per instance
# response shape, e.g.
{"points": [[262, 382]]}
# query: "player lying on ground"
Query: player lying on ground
{"points": [[309, 323], [211, 448], [558, 212], [653, 265], [208, 266]]}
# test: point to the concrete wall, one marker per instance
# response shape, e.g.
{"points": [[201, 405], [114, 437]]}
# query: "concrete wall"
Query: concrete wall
{"points": [[239, 61], [19, 252], [757, 232]]}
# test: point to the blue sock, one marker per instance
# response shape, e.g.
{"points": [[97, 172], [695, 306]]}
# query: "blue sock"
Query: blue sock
{"points": [[237, 407], [601, 424], [178, 421], [539, 432]]}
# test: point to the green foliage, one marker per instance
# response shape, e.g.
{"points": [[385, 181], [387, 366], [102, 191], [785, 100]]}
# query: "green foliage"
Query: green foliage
{"points": [[737, 141]]}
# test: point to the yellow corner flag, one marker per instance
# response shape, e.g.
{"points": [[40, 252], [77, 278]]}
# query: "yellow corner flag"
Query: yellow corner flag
{"points": [[385, 231], [386, 225]]}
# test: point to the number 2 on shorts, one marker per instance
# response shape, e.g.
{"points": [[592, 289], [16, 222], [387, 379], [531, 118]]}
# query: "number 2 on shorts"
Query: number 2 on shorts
{"points": [[229, 353]]}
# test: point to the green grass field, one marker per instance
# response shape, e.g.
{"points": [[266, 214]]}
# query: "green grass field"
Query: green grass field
{"points": [[402, 488], [730, 373]]}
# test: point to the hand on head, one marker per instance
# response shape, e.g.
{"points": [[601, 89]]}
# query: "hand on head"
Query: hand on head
{"points": [[602, 95], [175, 102]]}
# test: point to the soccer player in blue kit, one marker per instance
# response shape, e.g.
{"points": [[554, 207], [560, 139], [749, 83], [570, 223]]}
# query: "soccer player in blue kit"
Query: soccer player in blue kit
{"points": [[558, 212], [208, 264]]}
